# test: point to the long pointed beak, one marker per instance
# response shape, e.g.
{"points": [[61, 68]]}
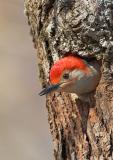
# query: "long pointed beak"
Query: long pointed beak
{"points": [[49, 89]]}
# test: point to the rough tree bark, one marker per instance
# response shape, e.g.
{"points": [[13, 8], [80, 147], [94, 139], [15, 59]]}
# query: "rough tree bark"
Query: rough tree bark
{"points": [[80, 130]]}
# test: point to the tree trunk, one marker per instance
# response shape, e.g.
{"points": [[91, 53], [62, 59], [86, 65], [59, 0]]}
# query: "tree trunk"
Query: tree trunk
{"points": [[80, 130]]}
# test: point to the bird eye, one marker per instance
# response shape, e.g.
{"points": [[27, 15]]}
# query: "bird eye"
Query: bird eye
{"points": [[66, 76]]}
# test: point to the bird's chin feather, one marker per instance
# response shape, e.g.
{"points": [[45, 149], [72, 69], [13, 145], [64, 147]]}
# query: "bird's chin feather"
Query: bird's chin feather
{"points": [[64, 86]]}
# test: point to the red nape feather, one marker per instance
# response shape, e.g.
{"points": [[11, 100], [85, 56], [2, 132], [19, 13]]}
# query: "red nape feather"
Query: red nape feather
{"points": [[66, 63]]}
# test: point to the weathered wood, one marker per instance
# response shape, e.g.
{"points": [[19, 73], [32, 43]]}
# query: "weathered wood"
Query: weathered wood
{"points": [[80, 130]]}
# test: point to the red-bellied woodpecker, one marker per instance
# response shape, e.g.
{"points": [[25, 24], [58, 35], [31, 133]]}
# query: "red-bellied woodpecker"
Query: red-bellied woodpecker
{"points": [[73, 74]]}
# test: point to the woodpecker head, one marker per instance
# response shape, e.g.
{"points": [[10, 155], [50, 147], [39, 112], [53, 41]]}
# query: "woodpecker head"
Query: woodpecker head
{"points": [[73, 75]]}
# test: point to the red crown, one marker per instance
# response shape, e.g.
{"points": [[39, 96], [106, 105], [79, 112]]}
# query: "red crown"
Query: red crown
{"points": [[66, 63]]}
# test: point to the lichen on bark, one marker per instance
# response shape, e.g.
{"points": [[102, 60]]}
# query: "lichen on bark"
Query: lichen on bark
{"points": [[80, 130]]}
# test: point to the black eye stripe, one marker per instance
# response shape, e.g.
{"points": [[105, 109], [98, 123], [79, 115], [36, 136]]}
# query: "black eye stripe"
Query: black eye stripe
{"points": [[66, 76]]}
